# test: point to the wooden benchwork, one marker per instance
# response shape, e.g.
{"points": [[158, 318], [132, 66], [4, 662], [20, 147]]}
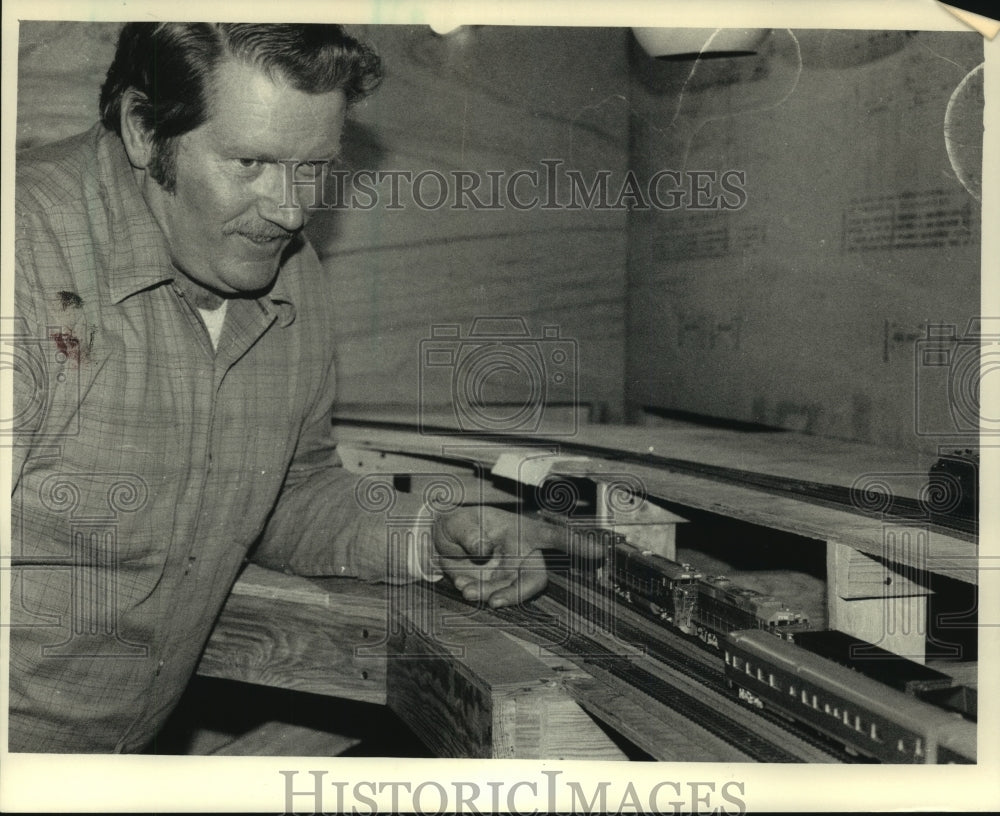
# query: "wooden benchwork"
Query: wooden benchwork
{"points": [[467, 689], [945, 554], [876, 565], [470, 690], [468, 685], [301, 634]]}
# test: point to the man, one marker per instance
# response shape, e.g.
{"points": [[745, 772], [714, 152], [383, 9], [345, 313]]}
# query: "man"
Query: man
{"points": [[177, 380]]}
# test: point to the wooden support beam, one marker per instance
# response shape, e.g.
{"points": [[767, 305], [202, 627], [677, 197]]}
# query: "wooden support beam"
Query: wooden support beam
{"points": [[858, 575], [301, 634], [474, 692], [623, 503], [877, 601], [625, 508]]}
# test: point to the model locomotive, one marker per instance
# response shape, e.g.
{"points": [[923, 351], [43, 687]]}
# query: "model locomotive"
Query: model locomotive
{"points": [[664, 589], [683, 597]]}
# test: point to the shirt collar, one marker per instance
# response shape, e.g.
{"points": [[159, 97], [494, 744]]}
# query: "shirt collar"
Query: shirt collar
{"points": [[139, 256]]}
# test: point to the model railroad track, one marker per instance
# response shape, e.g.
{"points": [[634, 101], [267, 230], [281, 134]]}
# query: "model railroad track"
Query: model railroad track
{"points": [[887, 507], [552, 632]]}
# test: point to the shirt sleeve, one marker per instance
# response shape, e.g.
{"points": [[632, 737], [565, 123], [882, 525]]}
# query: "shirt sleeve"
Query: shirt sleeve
{"points": [[328, 521], [22, 339], [331, 522]]}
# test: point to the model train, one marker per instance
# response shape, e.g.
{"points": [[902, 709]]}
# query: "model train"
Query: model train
{"points": [[683, 597], [860, 695], [863, 714]]}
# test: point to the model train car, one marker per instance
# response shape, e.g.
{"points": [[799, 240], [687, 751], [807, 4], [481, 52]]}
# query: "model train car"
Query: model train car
{"points": [[875, 662], [864, 715]]}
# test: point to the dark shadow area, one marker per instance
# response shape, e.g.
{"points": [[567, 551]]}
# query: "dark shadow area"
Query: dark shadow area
{"points": [[710, 421], [747, 547], [214, 712], [953, 619]]}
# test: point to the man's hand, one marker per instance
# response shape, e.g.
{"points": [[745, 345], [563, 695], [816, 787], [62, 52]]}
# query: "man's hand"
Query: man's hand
{"points": [[492, 555]]}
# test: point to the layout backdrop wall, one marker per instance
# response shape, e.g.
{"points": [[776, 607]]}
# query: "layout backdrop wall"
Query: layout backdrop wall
{"points": [[488, 101], [807, 307]]}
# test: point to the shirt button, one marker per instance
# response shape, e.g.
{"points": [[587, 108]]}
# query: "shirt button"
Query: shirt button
{"points": [[159, 666]]}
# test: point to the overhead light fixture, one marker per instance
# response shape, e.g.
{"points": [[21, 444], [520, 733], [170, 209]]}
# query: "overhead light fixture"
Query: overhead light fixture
{"points": [[444, 23], [700, 43]]}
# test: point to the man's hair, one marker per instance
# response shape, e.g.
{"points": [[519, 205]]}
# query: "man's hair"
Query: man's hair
{"points": [[172, 67]]}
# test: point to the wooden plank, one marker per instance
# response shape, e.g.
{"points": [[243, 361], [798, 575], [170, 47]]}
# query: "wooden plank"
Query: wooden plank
{"points": [[781, 453], [284, 739], [481, 694], [964, 673], [302, 634], [945, 554], [666, 735], [205, 741], [365, 460], [423, 472]]}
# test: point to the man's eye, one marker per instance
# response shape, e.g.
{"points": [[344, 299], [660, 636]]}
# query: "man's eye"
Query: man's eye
{"points": [[249, 164]]}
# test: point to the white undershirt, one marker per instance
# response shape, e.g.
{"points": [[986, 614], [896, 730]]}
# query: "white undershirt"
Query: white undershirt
{"points": [[213, 319]]}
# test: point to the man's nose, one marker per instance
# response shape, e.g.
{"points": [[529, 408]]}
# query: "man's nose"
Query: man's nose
{"points": [[278, 202]]}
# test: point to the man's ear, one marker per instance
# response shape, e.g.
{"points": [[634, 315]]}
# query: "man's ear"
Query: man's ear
{"points": [[137, 140]]}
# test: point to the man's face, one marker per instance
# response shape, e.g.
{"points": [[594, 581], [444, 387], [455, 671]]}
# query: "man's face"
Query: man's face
{"points": [[224, 222]]}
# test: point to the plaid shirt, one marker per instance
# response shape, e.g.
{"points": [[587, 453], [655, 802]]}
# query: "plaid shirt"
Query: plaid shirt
{"points": [[148, 466]]}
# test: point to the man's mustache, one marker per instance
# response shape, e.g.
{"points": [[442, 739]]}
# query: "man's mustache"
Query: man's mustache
{"points": [[257, 232]]}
